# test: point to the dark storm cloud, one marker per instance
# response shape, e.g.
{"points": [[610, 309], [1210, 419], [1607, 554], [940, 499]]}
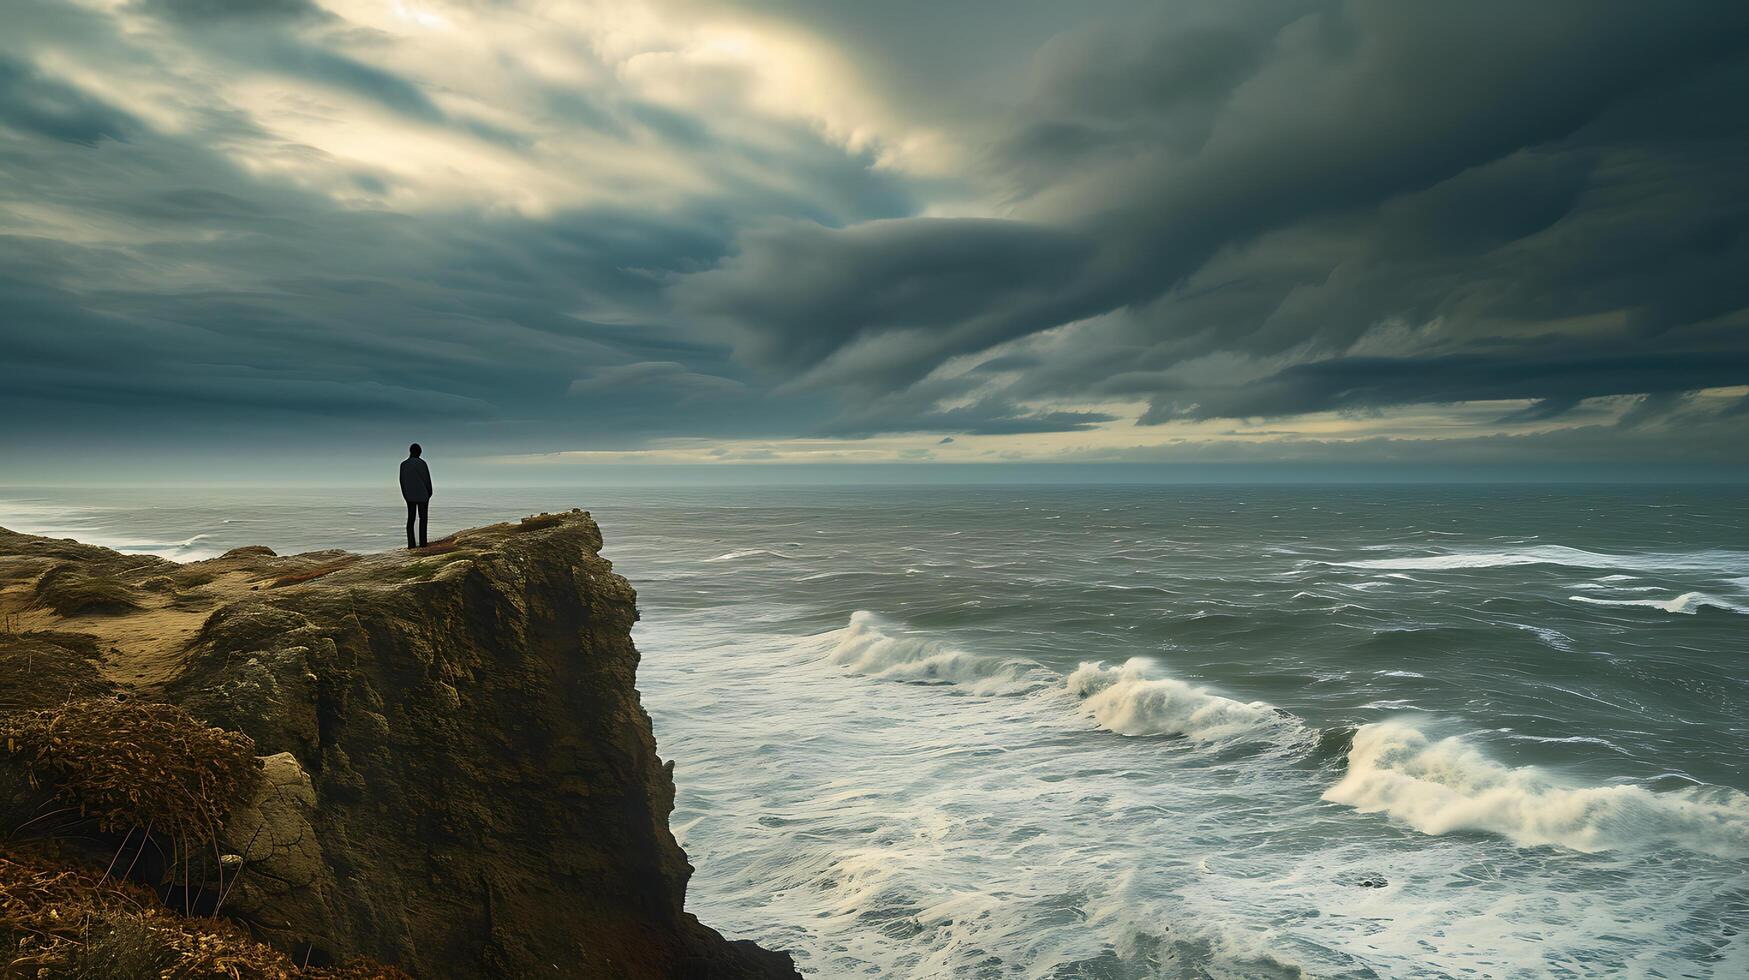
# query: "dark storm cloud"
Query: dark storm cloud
{"points": [[1139, 85], [385, 88], [230, 10], [1279, 180], [684, 384], [32, 103], [802, 292], [997, 419], [1559, 382], [358, 317], [1221, 209], [974, 415]]}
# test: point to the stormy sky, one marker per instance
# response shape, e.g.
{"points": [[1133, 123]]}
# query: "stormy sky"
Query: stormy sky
{"points": [[541, 235]]}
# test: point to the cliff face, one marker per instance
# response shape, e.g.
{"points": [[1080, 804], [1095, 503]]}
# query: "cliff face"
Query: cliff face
{"points": [[459, 778]]}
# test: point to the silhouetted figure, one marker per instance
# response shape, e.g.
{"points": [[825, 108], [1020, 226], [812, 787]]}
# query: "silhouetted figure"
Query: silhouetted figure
{"points": [[416, 490]]}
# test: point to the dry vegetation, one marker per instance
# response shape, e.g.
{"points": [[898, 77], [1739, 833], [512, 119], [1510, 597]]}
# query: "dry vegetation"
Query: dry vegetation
{"points": [[151, 769], [72, 593], [56, 922], [129, 764], [310, 574]]}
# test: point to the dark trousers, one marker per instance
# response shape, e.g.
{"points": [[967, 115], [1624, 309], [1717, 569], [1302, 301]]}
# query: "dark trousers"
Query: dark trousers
{"points": [[420, 509]]}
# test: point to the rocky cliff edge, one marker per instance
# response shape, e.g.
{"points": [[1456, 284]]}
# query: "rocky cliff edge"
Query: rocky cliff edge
{"points": [[456, 775]]}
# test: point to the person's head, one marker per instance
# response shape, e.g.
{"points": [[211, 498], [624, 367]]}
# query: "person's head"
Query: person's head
{"points": [[414, 450]]}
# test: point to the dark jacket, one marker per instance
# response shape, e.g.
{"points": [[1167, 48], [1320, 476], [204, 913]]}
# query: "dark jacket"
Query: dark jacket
{"points": [[415, 480]]}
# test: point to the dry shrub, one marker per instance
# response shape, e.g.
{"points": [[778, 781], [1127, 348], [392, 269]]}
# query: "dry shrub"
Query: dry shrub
{"points": [[310, 574], [250, 551], [46, 668], [70, 592], [130, 764], [57, 922], [120, 945], [540, 521], [194, 579]]}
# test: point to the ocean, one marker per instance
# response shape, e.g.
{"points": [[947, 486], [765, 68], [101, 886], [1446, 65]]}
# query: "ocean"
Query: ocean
{"points": [[1162, 731]]}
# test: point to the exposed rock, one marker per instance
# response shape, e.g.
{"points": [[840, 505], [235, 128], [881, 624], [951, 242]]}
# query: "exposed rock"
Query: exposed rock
{"points": [[274, 870], [459, 776], [246, 551]]}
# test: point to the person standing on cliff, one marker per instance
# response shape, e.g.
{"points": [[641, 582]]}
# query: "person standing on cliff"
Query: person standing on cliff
{"points": [[416, 490]]}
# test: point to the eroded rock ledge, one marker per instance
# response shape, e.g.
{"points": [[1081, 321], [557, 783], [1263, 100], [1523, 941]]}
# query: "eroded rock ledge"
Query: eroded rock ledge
{"points": [[458, 776]]}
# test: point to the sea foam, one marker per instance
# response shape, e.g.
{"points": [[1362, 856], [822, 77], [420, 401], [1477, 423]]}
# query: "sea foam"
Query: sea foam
{"points": [[1687, 603], [1132, 700], [749, 553], [1448, 785], [868, 646], [1711, 561]]}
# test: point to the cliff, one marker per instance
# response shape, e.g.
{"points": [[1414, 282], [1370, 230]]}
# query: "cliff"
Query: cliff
{"points": [[455, 774]]}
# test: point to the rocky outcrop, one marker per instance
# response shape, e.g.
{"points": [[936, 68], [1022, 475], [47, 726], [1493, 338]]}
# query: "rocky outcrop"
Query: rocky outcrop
{"points": [[458, 776]]}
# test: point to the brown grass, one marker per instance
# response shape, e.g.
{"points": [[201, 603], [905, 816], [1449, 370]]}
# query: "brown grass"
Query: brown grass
{"points": [[443, 546], [540, 521], [195, 579], [129, 764], [59, 922], [71, 593], [43, 668], [311, 574]]}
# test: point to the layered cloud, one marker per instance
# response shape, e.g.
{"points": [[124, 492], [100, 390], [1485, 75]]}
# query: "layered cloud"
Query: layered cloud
{"points": [[1045, 231]]}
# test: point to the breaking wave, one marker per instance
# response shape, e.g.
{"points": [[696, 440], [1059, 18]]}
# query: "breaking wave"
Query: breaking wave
{"points": [[1448, 785], [867, 647], [1436, 786], [91, 525], [1687, 603], [1558, 555], [1129, 701]]}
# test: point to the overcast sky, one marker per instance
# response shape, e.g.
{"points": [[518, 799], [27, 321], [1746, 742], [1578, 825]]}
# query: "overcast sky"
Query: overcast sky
{"points": [[542, 236]]}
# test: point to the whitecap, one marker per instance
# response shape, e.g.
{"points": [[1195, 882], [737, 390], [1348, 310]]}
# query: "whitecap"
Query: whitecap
{"points": [[870, 647], [1687, 603], [1554, 638], [1559, 555], [1131, 700], [1447, 786], [750, 553], [1571, 740]]}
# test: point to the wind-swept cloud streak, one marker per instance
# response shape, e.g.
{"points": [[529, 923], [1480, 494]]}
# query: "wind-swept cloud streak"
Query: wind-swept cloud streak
{"points": [[1043, 231]]}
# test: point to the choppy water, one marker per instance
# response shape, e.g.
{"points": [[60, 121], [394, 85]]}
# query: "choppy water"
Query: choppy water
{"points": [[1136, 732]]}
